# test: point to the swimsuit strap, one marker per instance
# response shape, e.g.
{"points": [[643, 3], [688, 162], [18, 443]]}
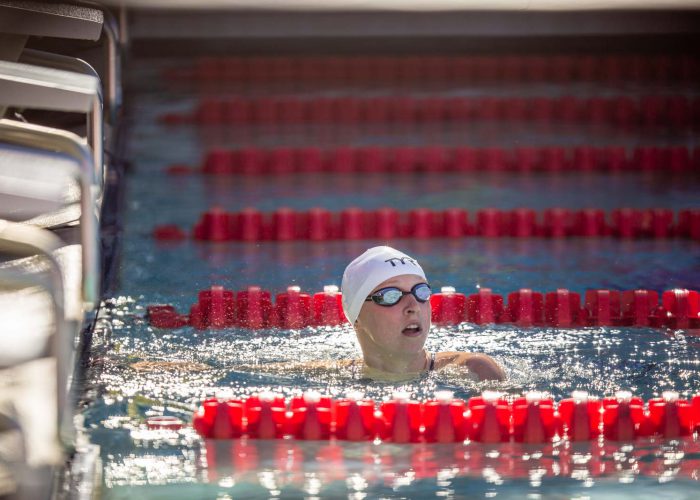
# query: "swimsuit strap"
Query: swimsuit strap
{"points": [[432, 362]]}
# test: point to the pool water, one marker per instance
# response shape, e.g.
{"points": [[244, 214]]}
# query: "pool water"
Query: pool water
{"points": [[137, 371]]}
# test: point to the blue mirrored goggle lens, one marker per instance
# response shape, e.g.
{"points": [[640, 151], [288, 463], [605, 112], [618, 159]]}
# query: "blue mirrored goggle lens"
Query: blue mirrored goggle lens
{"points": [[422, 293], [392, 295]]}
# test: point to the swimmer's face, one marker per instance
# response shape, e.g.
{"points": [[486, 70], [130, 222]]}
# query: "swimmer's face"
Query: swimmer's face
{"points": [[401, 328]]}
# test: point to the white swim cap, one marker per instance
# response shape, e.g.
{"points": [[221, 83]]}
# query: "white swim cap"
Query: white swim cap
{"points": [[363, 274]]}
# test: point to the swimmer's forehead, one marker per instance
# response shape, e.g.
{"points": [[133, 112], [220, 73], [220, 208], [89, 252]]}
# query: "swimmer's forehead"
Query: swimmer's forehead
{"points": [[407, 280]]}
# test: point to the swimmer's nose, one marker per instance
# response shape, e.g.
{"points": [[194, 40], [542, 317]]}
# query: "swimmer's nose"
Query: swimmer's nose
{"points": [[412, 305]]}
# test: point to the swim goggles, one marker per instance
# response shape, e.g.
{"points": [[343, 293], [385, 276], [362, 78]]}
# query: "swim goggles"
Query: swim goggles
{"points": [[391, 295]]}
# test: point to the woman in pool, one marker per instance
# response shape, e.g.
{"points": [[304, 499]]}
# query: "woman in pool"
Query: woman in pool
{"points": [[386, 298]]}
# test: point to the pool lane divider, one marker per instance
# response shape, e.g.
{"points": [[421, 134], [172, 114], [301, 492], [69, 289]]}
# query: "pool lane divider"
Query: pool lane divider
{"points": [[489, 418], [318, 224], [280, 161], [652, 111], [253, 308], [463, 68]]}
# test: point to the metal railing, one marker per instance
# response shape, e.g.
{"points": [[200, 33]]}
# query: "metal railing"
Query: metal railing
{"points": [[23, 85], [20, 241], [48, 139]]}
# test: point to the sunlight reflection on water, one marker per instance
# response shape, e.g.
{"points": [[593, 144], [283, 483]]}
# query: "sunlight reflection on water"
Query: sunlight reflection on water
{"points": [[189, 365], [138, 372]]}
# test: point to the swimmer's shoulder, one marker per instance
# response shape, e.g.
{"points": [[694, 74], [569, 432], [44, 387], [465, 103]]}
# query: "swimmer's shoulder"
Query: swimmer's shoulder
{"points": [[482, 365]]}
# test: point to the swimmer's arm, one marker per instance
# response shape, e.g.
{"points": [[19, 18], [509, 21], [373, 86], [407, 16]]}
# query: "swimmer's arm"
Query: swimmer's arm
{"points": [[483, 366]]}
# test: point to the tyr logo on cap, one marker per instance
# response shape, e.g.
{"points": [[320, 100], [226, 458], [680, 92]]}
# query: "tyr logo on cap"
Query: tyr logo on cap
{"points": [[403, 261]]}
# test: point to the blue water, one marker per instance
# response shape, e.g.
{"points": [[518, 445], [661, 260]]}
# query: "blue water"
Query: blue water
{"points": [[174, 273], [189, 365], [196, 194]]}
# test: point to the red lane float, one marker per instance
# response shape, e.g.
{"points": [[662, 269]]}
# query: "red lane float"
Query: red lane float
{"points": [[317, 224], [164, 422], [580, 417], [215, 308], [255, 161], [169, 232], [448, 306], [651, 112], [534, 420], [489, 418], [562, 309], [253, 308], [393, 69], [525, 308]]}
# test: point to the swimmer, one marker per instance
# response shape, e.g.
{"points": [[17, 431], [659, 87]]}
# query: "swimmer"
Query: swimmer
{"points": [[386, 297]]}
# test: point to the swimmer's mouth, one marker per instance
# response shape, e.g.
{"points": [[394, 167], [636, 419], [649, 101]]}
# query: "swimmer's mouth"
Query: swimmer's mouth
{"points": [[412, 330]]}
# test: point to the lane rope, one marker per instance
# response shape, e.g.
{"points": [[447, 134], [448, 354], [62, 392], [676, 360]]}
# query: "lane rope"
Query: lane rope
{"points": [[318, 224], [254, 308], [489, 418]]}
